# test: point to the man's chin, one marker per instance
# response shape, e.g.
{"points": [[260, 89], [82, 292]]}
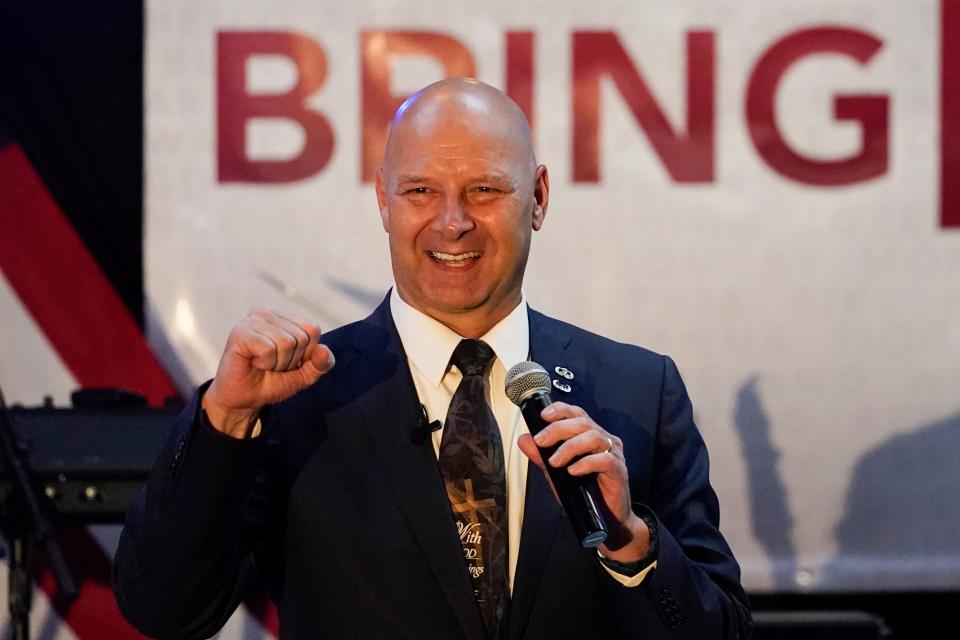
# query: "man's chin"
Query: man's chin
{"points": [[448, 301], [455, 305]]}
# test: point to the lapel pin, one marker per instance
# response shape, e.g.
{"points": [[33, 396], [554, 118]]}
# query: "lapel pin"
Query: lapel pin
{"points": [[563, 387], [563, 371]]}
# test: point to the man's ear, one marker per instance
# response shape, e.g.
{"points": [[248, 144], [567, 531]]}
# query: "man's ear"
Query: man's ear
{"points": [[541, 196], [381, 187]]}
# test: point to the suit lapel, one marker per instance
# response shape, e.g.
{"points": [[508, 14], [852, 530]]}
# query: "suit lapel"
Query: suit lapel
{"points": [[380, 378], [542, 514]]}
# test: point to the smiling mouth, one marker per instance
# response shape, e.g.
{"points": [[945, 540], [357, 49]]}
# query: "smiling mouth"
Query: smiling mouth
{"points": [[456, 260]]}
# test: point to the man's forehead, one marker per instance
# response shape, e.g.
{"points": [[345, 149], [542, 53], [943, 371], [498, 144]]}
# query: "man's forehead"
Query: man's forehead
{"points": [[435, 169], [473, 161], [454, 150]]}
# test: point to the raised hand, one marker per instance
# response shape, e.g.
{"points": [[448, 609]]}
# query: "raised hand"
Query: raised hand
{"points": [[585, 447], [269, 357]]}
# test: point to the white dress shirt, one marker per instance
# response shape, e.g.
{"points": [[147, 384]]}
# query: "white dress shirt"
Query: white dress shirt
{"points": [[428, 345]]}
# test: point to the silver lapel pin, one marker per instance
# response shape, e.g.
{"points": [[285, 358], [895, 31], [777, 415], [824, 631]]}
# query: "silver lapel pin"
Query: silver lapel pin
{"points": [[565, 373]]}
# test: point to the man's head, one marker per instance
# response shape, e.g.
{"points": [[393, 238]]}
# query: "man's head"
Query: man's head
{"points": [[460, 194]]}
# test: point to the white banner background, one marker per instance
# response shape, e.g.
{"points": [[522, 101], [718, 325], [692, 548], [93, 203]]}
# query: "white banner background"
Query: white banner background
{"points": [[813, 325]]}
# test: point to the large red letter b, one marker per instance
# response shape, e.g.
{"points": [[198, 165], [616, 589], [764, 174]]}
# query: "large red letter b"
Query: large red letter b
{"points": [[235, 106]]}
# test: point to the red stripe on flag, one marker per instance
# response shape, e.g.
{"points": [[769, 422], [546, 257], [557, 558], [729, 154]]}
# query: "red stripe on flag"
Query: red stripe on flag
{"points": [[64, 290], [94, 614], [84, 319]]}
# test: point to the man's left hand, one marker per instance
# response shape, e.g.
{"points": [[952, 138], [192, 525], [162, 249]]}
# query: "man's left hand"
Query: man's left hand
{"points": [[587, 448]]}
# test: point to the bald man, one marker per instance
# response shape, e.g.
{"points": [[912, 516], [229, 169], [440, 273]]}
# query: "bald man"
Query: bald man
{"points": [[306, 466]]}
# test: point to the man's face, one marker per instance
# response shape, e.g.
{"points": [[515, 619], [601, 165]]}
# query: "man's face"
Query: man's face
{"points": [[460, 199]]}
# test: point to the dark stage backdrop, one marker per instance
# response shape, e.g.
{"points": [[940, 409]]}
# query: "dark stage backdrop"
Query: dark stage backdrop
{"points": [[71, 96]]}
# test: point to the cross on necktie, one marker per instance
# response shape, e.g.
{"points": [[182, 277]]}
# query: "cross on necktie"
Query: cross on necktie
{"points": [[471, 463]]}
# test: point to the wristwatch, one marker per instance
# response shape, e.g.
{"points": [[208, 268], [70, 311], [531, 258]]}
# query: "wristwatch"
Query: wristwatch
{"points": [[631, 569]]}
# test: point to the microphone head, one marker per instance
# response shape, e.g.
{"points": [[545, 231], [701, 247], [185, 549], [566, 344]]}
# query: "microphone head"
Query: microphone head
{"points": [[525, 379]]}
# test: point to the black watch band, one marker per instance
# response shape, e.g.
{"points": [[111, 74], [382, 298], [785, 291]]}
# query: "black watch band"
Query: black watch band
{"points": [[631, 569]]}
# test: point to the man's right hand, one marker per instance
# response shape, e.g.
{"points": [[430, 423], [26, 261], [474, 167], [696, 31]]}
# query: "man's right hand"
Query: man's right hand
{"points": [[268, 358]]}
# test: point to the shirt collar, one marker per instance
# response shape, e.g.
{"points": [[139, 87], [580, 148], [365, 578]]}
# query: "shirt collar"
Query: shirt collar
{"points": [[429, 344]]}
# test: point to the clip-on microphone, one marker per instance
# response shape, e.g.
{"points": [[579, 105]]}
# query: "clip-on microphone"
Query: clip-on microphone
{"points": [[424, 427]]}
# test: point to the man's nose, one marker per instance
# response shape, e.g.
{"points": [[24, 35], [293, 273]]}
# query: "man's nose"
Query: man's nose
{"points": [[453, 221]]}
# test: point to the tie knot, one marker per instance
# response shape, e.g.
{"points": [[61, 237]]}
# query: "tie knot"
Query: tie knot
{"points": [[471, 356]]}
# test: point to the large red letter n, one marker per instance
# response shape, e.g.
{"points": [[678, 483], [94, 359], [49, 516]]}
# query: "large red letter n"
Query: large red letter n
{"points": [[687, 157]]}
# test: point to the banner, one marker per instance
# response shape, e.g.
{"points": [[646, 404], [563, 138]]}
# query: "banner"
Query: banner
{"points": [[767, 192]]}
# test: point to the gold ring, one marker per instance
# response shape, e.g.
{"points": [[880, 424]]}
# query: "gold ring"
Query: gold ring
{"points": [[609, 445]]}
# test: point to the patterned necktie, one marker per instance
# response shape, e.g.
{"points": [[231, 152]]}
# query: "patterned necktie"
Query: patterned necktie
{"points": [[471, 463]]}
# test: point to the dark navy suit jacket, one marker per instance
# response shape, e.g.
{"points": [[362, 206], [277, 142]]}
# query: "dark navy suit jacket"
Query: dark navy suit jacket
{"points": [[344, 516]]}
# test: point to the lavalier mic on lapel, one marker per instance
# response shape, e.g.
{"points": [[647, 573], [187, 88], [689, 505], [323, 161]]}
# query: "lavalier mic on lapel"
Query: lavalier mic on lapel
{"points": [[528, 386], [424, 427]]}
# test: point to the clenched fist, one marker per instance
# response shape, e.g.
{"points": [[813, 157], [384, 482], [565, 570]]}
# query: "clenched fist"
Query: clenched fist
{"points": [[269, 357]]}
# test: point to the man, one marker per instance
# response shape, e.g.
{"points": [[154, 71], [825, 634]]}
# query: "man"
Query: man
{"points": [[322, 481]]}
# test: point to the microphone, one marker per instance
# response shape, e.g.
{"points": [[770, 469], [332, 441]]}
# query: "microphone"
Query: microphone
{"points": [[528, 386], [419, 433]]}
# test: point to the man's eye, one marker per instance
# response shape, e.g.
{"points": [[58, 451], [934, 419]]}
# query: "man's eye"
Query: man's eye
{"points": [[485, 189], [417, 192]]}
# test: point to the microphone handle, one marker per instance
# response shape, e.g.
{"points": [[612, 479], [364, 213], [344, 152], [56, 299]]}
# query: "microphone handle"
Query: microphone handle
{"points": [[574, 491]]}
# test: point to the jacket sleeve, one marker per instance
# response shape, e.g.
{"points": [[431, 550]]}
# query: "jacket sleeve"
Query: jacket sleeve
{"points": [[695, 590], [199, 535]]}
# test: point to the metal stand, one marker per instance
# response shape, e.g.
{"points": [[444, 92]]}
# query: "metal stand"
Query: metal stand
{"points": [[19, 585], [29, 524]]}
